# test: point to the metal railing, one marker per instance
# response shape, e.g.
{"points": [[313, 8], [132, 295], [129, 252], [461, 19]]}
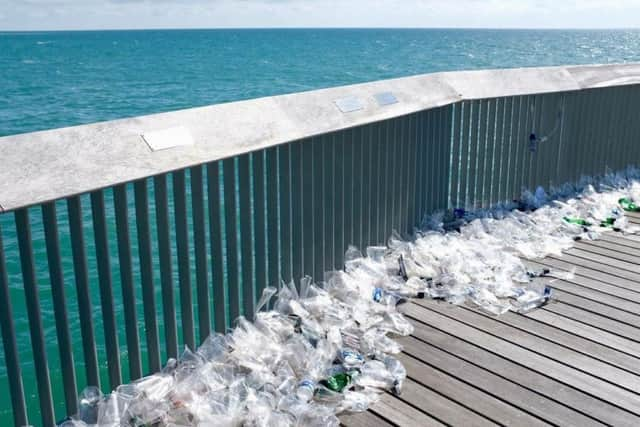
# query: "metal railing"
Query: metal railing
{"points": [[270, 189]]}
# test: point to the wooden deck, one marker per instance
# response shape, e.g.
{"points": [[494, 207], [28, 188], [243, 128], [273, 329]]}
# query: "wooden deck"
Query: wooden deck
{"points": [[575, 362]]}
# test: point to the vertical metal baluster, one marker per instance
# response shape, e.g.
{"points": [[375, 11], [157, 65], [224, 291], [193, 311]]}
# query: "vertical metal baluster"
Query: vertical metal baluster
{"points": [[106, 287], [356, 188], [328, 220], [285, 210], [393, 147], [578, 137], [444, 138], [339, 247], [611, 134], [436, 179], [589, 120], [406, 168], [513, 165], [422, 171], [318, 210], [259, 222], [625, 132], [481, 155], [182, 248], [74, 206], [297, 211], [466, 147], [474, 142], [231, 233], [54, 259], [200, 248], [533, 109], [272, 216], [396, 179], [349, 195], [410, 191], [126, 277], [215, 236], [498, 152], [146, 273], [522, 142], [380, 233], [246, 236], [374, 175], [365, 218], [505, 150], [27, 264], [11, 358], [166, 274], [456, 154], [406, 174], [438, 131], [307, 205], [388, 180], [546, 122], [412, 212]]}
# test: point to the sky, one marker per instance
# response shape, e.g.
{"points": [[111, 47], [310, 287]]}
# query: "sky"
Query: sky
{"points": [[140, 14]]}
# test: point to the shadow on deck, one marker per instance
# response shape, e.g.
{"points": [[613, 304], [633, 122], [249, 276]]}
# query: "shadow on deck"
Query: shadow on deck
{"points": [[576, 361]]}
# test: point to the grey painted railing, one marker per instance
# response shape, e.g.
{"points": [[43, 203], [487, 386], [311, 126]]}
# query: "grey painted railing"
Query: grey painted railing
{"points": [[269, 189]]}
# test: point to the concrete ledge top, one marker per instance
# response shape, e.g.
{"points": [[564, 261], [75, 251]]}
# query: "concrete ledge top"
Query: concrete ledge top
{"points": [[49, 165]]}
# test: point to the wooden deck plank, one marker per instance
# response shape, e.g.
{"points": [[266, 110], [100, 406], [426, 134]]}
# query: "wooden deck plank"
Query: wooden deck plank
{"points": [[363, 419], [600, 264], [402, 414], [493, 384], [590, 270], [628, 236], [552, 351], [584, 330], [611, 326], [609, 251], [611, 242], [532, 359], [619, 240], [439, 407], [600, 304], [577, 343], [585, 286], [463, 393], [632, 215], [518, 385], [609, 264]]}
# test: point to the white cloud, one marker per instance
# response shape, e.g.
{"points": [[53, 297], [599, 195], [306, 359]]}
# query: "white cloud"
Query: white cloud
{"points": [[89, 14]]}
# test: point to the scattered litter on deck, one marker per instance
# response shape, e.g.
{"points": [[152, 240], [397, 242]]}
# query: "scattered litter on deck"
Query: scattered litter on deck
{"points": [[327, 348]]}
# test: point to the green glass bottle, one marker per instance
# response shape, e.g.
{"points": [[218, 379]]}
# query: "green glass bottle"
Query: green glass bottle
{"points": [[577, 221], [608, 222], [337, 382], [628, 205]]}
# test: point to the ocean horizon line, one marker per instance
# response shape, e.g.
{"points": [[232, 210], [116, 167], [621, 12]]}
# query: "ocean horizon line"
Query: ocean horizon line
{"points": [[87, 30]]}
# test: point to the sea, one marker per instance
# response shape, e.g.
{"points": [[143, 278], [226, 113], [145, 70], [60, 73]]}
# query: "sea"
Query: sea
{"points": [[56, 79]]}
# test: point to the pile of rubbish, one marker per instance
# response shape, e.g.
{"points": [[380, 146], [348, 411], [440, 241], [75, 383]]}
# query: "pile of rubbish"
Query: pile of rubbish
{"points": [[327, 348], [319, 351]]}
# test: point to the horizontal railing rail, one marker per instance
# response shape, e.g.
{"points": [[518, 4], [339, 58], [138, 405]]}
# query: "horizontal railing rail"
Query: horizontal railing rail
{"points": [[125, 241]]}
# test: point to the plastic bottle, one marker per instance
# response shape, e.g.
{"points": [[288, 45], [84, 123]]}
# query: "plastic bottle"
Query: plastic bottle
{"points": [[398, 372], [305, 389], [88, 404], [529, 300]]}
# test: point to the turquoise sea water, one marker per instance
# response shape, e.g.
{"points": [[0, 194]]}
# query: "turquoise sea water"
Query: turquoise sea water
{"points": [[50, 80]]}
